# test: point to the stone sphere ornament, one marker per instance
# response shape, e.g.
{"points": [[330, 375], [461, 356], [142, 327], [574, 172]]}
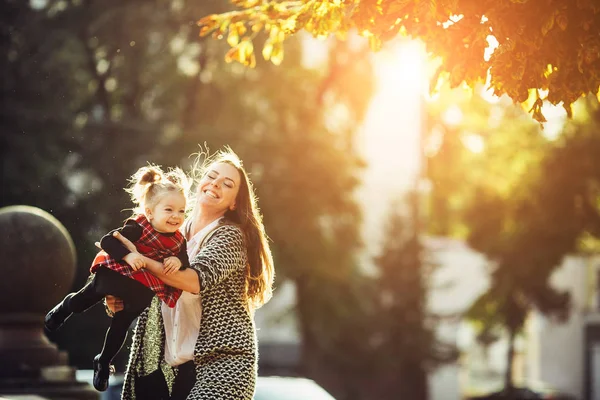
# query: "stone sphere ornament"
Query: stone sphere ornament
{"points": [[37, 268], [38, 260]]}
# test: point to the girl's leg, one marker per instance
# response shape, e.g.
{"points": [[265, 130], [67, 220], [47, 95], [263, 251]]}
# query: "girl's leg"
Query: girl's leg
{"points": [[73, 302], [136, 297], [85, 298], [116, 335], [105, 281], [184, 381]]}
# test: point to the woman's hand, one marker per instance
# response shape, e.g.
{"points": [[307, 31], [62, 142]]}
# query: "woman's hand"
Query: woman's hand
{"points": [[113, 305]]}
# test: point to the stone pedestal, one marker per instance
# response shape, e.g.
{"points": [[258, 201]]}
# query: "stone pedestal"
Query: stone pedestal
{"points": [[37, 268]]}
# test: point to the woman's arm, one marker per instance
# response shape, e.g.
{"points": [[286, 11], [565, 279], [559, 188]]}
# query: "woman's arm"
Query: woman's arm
{"points": [[223, 254], [185, 280]]}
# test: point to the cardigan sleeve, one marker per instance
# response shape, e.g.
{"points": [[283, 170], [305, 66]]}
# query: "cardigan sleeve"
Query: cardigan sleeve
{"points": [[223, 254], [183, 257]]}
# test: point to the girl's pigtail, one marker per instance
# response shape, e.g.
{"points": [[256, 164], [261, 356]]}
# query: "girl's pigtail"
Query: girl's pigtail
{"points": [[179, 179], [142, 183], [181, 182]]}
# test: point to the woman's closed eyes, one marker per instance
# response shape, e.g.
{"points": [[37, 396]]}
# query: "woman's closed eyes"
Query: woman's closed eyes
{"points": [[227, 181]]}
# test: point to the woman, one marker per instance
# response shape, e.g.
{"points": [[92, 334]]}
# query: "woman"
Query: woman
{"points": [[205, 347]]}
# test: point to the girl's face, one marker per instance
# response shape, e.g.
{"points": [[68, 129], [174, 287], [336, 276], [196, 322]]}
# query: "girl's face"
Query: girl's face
{"points": [[168, 214], [219, 188]]}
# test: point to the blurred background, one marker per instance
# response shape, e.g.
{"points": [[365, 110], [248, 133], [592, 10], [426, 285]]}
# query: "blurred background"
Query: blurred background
{"points": [[427, 246]]}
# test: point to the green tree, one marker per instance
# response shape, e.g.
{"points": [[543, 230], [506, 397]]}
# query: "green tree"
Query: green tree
{"points": [[550, 45], [407, 348], [98, 89], [509, 206]]}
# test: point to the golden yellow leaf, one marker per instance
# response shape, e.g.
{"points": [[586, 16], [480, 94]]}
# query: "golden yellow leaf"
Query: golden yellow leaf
{"points": [[273, 32], [241, 28], [569, 110], [289, 25], [233, 38], [252, 61], [232, 54], [374, 43], [257, 26], [218, 33], [245, 48], [530, 101], [246, 3], [205, 30], [207, 24], [277, 53], [267, 50], [247, 56], [208, 20]]}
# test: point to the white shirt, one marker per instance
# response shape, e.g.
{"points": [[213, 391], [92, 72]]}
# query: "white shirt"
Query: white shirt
{"points": [[182, 322]]}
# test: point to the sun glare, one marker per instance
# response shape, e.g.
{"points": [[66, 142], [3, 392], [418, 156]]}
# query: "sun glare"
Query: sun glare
{"points": [[390, 136], [404, 67], [453, 115], [391, 132], [474, 143]]}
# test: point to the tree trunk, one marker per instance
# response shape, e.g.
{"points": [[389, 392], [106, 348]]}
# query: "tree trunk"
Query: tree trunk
{"points": [[309, 349], [510, 355]]}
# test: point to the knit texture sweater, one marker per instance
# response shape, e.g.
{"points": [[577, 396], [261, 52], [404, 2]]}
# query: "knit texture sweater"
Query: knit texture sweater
{"points": [[227, 331]]}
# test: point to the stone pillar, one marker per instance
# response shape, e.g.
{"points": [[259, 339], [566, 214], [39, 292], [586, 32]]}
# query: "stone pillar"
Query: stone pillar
{"points": [[37, 268]]}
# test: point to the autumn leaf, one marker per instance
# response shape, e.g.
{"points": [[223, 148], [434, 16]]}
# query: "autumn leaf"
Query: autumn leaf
{"points": [[233, 38], [277, 53], [518, 64], [267, 49]]}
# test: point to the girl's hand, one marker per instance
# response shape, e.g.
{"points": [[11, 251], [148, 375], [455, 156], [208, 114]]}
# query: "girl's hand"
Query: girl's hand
{"points": [[136, 260], [171, 264], [126, 242], [113, 305]]}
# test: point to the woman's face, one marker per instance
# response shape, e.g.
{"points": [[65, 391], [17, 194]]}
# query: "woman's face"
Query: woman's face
{"points": [[219, 187]]}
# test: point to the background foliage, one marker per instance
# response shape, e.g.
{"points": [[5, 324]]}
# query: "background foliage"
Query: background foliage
{"points": [[521, 197], [96, 89], [546, 50]]}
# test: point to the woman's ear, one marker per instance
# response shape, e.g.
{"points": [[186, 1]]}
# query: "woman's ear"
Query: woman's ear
{"points": [[232, 207]]}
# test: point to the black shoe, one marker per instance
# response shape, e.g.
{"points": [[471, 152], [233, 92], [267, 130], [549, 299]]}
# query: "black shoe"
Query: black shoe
{"points": [[101, 373], [58, 315]]}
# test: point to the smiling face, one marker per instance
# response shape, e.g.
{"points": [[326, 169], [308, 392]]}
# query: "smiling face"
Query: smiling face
{"points": [[219, 187], [168, 214]]}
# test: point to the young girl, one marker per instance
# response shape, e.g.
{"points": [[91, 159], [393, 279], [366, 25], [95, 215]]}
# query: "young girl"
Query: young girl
{"points": [[154, 228]]}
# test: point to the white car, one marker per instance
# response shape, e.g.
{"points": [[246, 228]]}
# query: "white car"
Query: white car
{"points": [[289, 388]]}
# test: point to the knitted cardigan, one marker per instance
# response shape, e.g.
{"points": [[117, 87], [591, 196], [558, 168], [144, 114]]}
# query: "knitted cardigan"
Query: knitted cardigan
{"points": [[227, 325]]}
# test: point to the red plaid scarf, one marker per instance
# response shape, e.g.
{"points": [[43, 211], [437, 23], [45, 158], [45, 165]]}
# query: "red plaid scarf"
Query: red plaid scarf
{"points": [[152, 245]]}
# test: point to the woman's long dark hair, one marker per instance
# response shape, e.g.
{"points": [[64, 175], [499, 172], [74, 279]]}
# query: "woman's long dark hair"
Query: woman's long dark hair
{"points": [[260, 272]]}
